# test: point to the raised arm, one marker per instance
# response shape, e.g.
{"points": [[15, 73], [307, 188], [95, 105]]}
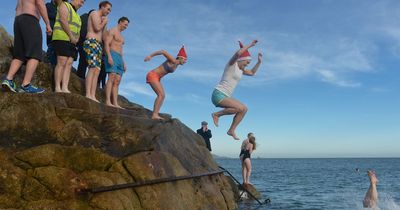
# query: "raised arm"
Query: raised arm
{"points": [[161, 52], [238, 53], [255, 68], [43, 12]]}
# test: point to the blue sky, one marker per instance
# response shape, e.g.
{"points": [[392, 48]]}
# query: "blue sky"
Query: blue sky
{"points": [[329, 85]]}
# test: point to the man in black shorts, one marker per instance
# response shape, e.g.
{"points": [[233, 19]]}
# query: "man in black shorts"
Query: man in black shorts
{"points": [[27, 43]]}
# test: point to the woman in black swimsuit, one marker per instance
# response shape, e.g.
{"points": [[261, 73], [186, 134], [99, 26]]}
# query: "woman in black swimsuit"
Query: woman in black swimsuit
{"points": [[246, 159]]}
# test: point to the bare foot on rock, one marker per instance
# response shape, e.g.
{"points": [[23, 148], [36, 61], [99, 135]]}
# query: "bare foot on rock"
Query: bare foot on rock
{"points": [[157, 118]]}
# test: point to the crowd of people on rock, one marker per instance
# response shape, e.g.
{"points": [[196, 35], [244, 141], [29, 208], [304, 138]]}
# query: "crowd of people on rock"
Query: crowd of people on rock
{"points": [[68, 34]]}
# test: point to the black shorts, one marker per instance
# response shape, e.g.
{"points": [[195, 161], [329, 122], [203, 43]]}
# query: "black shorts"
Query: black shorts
{"points": [[65, 48], [27, 38]]}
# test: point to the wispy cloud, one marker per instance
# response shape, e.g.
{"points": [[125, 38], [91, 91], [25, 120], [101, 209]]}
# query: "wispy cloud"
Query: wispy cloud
{"points": [[131, 88], [330, 77]]}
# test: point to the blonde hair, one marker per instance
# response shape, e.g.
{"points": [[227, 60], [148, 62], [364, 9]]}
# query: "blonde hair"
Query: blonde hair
{"points": [[252, 140]]}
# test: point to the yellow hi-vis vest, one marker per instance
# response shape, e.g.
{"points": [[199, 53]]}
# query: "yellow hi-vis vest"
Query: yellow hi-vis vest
{"points": [[74, 22]]}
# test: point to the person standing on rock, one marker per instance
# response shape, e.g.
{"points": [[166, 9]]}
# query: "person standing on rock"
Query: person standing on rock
{"points": [[51, 7], [222, 95], [153, 78], [205, 133], [245, 157], [244, 143], [27, 43], [114, 62], [82, 66], [97, 26], [65, 37]]}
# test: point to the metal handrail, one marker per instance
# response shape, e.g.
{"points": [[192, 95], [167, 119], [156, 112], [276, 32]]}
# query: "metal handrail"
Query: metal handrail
{"points": [[162, 180], [248, 192], [144, 183]]}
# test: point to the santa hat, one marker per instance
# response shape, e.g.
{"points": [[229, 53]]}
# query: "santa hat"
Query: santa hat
{"points": [[245, 55], [182, 53]]}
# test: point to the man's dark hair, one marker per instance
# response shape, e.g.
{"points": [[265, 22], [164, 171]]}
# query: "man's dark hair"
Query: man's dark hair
{"points": [[104, 3], [123, 19]]}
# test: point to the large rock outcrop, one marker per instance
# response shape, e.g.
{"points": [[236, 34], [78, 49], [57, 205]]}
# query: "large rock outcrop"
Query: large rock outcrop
{"points": [[52, 144]]}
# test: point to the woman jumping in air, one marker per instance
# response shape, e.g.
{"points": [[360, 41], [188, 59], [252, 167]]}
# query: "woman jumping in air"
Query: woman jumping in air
{"points": [[222, 95], [153, 78]]}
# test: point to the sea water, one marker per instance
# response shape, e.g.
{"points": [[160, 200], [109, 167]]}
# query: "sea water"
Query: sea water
{"points": [[319, 183]]}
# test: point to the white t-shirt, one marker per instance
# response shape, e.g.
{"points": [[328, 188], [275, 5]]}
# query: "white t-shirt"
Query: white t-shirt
{"points": [[230, 78]]}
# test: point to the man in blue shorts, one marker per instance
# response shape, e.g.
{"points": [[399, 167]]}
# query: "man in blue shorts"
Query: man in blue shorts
{"points": [[115, 65]]}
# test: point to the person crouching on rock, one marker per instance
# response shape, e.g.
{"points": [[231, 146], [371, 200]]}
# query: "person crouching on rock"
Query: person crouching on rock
{"points": [[153, 78], [245, 158], [222, 95]]}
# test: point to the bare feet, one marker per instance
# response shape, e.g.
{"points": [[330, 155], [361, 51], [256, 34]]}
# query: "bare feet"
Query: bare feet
{"points": [[119, 107], [372, 177], [94, 99], [58, 91], [157, 117], [215, 119], [65, 91], [232, 133], [110, 104]]}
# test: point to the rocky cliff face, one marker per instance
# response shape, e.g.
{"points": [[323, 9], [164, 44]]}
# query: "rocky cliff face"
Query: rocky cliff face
{"points": [[53, 144]]}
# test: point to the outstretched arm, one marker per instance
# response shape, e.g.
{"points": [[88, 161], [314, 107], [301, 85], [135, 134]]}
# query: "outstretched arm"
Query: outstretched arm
{"points": [[241, 51], [255, 68], [160, 52]]}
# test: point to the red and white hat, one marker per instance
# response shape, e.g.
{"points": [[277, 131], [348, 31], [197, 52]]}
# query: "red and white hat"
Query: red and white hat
{"points": [[245, 55], [182, 53]]}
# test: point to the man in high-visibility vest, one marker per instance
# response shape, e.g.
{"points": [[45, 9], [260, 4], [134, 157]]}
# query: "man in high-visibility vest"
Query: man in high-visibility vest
{"points": [[65, 36], [96, 27]]}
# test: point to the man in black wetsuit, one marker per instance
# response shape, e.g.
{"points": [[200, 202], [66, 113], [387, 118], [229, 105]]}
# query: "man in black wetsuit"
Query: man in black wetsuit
{"points": [[205, 133]]}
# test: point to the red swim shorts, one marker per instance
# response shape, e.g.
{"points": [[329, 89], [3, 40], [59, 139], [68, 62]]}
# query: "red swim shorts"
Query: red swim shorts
{"points": [[152, 77]]}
